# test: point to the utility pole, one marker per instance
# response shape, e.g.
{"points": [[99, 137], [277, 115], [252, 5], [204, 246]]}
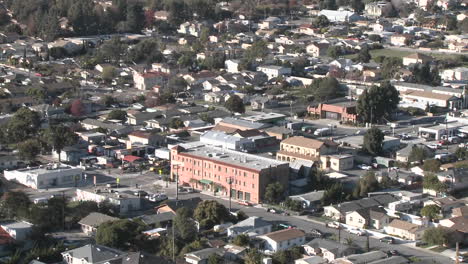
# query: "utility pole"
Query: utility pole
{"points": [[230, 193], [63, 210], [457, 254]]}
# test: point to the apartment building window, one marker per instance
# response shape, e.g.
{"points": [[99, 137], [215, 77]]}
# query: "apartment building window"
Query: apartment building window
{"points": [[245, 174], [253, 186]]}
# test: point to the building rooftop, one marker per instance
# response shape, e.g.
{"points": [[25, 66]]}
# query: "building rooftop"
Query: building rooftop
{"points": [[95, 219], [263, 117], [242, 123], [231, 157], [47, 169], [94, 253], [285, 234]]}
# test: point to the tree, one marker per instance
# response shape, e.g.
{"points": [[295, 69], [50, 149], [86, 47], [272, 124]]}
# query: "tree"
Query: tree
{"points": [[147, 51], [436, 235], [193, 246], [364, 55], [357, 5], [323, 89], [108, 100], [117, 234], [241, 216], [274, 193], [321, 22], [373, 141], [22, 126], [390, 66], [253, 257], [29, 149], [184, 225], [377, 103], [77, 108], [418, 154], [368, 183], [215, 259], [235, 104], [293, 205], [176, 123], [241, 240], [177, 84], [334, 194], [334, 52], [461, 153], [431, 211], [14, 205], [108, 73], [431, 165], [425, 74], [210, 213], [117, 114], [431, 182], [59, 137]]}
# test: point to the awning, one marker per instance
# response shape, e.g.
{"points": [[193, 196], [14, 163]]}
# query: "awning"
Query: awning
{"points": [[131, 158], [204, 181]]}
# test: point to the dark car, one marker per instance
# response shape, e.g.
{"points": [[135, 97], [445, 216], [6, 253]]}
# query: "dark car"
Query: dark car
{"points": [[140, 193], [388, 240]]}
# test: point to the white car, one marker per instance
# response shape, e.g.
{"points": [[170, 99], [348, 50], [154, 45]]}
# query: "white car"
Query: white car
{"points": [[358, 232], [364, 167], [158, 197], [433, 146], [334, 225]]}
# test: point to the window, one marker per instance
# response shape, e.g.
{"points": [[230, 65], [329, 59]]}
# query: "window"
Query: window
{"points": [[350, 219], [253, 186], [360, 221], [245, 174]]}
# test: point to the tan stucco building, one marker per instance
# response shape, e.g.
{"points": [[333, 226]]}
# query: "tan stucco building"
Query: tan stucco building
{"points": [[302, 148]]}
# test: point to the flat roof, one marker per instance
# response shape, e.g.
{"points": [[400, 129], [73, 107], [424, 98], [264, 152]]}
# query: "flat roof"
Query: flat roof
{"points": [[237, 158], [263, 116], [47, 169]]}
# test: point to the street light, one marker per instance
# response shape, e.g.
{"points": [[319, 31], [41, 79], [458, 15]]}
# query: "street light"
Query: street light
{"points": [[230, 192]]}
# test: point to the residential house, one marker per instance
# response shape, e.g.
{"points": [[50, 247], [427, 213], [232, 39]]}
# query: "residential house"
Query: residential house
{"points": [[201, 256], [457, 74], [337, 162], [232, 65], [146, 138], [173, 205], [459, 224], [403, 155], [269, 23], [400, 39], [327, 249], [310, 200], [301, 148], [339, 211], [405, 230], [8, 161], [234, 252], [317, 49], [283, 239], [69, 46], [416, 58], [137, 118], [91, 222], [460, 211], [365, 258], [273, 71], [18, 230], [252, 226], [369, 75], [150, 79], [91, 254], [446, 204], [112, 128], [310, 260], [123, 201], [375, 9], [375, 218]]}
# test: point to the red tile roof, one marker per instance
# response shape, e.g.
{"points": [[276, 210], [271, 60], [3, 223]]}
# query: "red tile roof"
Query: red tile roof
{"points": [[131, 158]]}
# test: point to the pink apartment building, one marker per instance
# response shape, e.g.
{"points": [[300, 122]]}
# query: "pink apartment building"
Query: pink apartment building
{"points": [[219, 170]]}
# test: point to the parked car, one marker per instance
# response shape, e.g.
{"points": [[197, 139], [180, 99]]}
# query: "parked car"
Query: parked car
{"points": [[387, 239], [433, 146], [140, 193], [461, 258], [41, 200], [316, 233], [245, 203], [112, 185], [393, 253], [157, 197], [334, 225], [364, 167], [358, 232]]}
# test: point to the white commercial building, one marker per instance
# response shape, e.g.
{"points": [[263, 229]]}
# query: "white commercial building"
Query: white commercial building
{"points": [[125, 201], [457, 74], [45, 176]]}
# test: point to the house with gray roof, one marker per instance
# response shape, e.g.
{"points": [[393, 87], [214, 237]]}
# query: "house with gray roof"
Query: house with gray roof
{"points": [[339, 211], [91, 222], [91, 254], [403, 154], [364, 258], [201, 256], [328, 249], [309, 200], [252, 226]]}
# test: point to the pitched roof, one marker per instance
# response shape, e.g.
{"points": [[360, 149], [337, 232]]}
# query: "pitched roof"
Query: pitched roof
{"points": [[204, 253], [249, 224], [188, 203], [285, 234], [403, 225], [460, 224], [336, 248], [303, 142], [94, 253], [367, 257], [96, 219], [427, 94]]}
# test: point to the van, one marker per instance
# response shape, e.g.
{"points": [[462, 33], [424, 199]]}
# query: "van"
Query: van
{"points": [[322, 132]]}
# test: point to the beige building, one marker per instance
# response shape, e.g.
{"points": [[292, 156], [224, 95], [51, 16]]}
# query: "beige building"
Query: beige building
{"points": [[416, 58], [405, 230], [317, 49], [337, 162], [302, 148], [375, 218]]}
